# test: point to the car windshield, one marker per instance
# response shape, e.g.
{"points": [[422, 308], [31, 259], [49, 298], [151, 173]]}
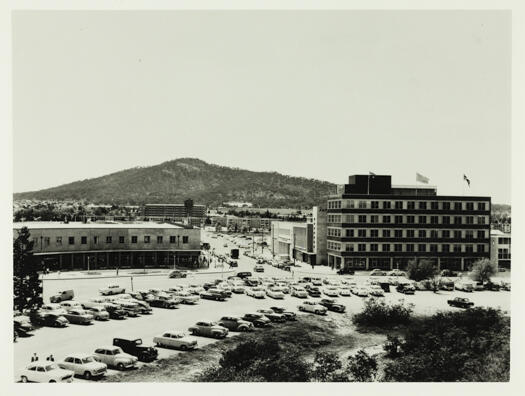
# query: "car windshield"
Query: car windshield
{"points": [[88, 359]]}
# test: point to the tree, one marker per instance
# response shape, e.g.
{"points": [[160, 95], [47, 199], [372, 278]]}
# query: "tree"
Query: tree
{"points": [[483, 270], [27, 286], [326, 366], [419, 270], [362, 367]]}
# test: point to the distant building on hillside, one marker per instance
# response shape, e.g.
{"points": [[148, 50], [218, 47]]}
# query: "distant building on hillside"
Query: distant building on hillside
{"points": [[175, 213], [239, 204]]}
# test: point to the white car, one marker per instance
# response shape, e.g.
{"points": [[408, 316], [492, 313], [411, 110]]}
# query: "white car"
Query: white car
{"points": [[99, 313], [238, 288], [331, 291], [187, 297], [345, 291], [112, 289], [175, 339], [275, 292], [70, 304], [84, 365], [360, 291], [298, 291], [53, 308], [312, 306], [376, 291], [317, 282], [196, 289], [114, 357], [45, 372], [257, 292]]}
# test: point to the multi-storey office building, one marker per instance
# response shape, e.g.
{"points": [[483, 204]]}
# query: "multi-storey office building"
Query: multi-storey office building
{"points": [[175, 212], [372, 224], [500, 248], [81, 246]]}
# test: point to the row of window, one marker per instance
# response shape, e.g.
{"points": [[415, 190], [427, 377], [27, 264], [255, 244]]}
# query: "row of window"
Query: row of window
{"points": [[503, 241], [408, 205], [503, 254], [406, 219], [109, 239], [388, 233], [406, 247]]}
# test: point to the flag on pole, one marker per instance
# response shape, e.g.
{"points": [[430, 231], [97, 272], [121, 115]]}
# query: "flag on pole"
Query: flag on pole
{"points": [[421, 178], [466, 179]]}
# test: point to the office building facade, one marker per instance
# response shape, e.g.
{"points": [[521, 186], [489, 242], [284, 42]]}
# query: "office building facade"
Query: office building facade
{"points": [[372, 224], [500, 248]]}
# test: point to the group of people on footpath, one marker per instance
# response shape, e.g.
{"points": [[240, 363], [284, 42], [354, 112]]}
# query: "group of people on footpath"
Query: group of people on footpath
{"points": [[34, 358]]}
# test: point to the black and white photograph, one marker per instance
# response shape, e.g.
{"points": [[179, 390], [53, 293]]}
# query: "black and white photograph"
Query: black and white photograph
{"points": [[287, 195]]}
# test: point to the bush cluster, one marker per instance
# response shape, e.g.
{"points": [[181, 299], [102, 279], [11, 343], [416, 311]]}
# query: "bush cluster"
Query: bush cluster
{"points": [[378, 313]]}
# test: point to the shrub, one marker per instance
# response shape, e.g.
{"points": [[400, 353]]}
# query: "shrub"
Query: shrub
{"points": [[419, 270], [483, 270], [392, 346], [362, 367], [379, 313], [326, 367]]}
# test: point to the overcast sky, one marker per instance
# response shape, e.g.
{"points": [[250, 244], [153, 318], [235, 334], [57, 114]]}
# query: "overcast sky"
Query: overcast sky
{"points": [[319, 94]]}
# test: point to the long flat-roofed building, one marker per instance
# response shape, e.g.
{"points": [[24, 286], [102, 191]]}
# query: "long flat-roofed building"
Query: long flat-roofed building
{"points": [[372, 224], [80, 246], [176, 212]]}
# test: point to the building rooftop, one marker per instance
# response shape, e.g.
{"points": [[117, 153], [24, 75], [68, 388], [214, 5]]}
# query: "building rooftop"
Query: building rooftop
{"points": [[498, 233], [78, 224]]}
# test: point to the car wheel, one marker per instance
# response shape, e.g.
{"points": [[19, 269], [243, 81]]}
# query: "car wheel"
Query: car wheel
{"points": [[23, 379], [120, 366], [87, 375], [243, 329], [183, 347], [52, 381], [317, 312]]}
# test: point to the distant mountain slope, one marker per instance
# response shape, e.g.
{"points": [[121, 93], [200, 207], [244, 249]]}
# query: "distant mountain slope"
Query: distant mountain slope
{"points": [[174, 181]]}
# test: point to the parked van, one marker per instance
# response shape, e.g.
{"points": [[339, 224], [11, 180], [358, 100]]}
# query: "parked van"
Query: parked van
{"points": [[62, 296]]}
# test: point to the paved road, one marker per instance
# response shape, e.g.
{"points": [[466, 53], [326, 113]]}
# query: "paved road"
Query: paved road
{"points": [[76, 338]]}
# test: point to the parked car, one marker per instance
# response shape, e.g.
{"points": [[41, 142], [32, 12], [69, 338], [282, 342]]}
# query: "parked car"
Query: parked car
{"points": [[479, 286], [63, 295], [331, 291], [256, 292], [84, 365], [396, 272], [377, 272], [465, 286], [448, 273], [251, 282], [238, 288], [345, 292], [406, 288], [376, 291], [178, 274], [69, 305], [209, 329], [313, 307], [224, 290], [115, 312], [298, 291], [112, 289], [52, 308], [45, 372], [144, 353], [132, 309], [460, 302], [79, 316], [345, 271], [175, 339], [163, 303], [332, 305], [275, 292], [289, 315], [317, 282], [48, 319], [99, 313], [22, 326], [195, 289], [187, 297], [491, 286], [234, 323], [258, 268], [385, 286], [273, 316], [313, 291], [360, 291], [258, 319], [115, 357], [143, 307], [213, 296]]}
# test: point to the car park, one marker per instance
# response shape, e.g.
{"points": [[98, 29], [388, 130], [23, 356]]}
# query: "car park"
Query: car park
{"points": [[63, 295], [258, 319], [115, 357], [234, 323], [79, 316], [298, 291], [256, 292], [112, 289], [175, 339], [460, 302], [144, 353], [332, 305], [275, 292], [209, 329], [99, 313], [313, 307], [273, 316], [84, 365], [45, 372]]}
